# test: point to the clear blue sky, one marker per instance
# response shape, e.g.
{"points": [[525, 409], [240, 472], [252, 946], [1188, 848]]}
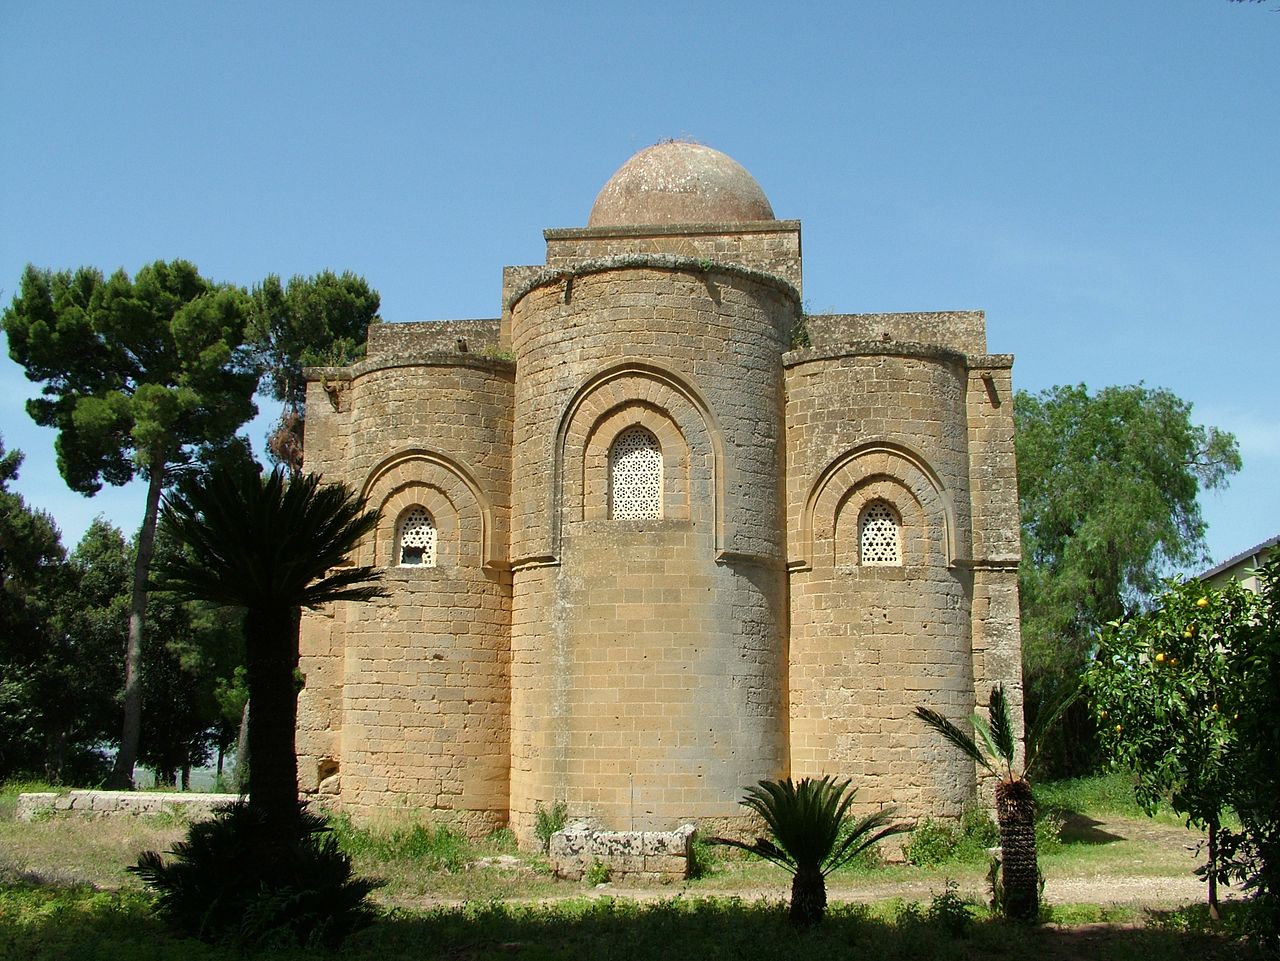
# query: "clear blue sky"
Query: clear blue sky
{"points": [[1099, 177]]}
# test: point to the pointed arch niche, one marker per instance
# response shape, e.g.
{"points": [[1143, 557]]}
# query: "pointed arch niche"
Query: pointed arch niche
{"points": [[887, 474]]}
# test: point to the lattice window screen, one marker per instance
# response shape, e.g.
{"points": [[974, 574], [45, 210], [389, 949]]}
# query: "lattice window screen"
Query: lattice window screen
{"points": [[635, 475], [879, 535], [416, 543]]}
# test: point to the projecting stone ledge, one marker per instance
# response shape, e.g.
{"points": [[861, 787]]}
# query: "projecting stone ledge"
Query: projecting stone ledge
{"points": [[190, 805], [631, 856]]}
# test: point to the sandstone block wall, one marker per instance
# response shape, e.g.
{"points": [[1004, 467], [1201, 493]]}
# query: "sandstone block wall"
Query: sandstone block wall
{"points": [[772, 246], [870, 642], [648, 669], [408, 696], [190, 805]]}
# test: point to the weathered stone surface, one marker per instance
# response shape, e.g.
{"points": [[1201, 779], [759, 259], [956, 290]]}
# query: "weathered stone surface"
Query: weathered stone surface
{"points": [[644, 670], [189, 805], [630, 856], [34, 805]]}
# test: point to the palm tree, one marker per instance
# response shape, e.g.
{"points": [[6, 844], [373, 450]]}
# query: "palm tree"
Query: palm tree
{"points": [[1015, 806], [812, 835], [271, 545]]}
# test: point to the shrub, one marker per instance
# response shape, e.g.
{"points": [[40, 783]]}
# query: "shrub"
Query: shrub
{"points": [[940, 841], [547, 821], [930, 842], [233, 879], [598, 873], [434, 847], [950, 911], [1049, 825], [703, 857]]}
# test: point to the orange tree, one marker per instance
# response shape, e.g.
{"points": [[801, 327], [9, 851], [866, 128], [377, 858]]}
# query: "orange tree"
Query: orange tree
{"points": [[1166, 698], [1251, 854]]}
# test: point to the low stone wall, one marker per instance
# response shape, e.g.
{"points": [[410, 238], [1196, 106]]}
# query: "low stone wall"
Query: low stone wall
{"points": [[189, 805], [638, 856]]}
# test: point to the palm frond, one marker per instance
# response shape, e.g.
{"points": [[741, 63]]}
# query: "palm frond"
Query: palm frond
{"points": [[867, 832], [762, 847], [983, 730], [263, 541], [1002, 726], [1050, 713], [956, 736]]}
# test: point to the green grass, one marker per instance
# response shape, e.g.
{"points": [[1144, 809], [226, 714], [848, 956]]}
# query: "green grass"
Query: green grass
{"points": [[1099, 794], [50, 907], [41, 924], [430, 847]]}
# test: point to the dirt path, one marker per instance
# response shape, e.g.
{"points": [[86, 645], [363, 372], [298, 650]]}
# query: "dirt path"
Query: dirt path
{"points": [[1138, 863]]}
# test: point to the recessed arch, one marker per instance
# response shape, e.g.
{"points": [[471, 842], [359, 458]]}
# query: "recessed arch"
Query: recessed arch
{"points": [[411, 467], [857, 467], [684, 407]]}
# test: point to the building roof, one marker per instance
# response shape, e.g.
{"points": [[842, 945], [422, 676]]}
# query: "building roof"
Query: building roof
{"points": [[677, 182], [1268, 544]]}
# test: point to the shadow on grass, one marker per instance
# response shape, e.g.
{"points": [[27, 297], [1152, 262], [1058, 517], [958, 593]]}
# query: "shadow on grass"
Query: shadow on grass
{"points": [[41, 924], [1079, 828]]}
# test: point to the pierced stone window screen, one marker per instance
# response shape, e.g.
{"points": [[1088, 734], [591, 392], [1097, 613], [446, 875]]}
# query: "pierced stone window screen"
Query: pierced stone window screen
{"points": [[880, 535], [416, 539], [635, 475]]}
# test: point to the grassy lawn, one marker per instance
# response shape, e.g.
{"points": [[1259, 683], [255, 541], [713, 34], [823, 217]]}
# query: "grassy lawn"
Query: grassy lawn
{"points": [[44, 924], [64, 893]]}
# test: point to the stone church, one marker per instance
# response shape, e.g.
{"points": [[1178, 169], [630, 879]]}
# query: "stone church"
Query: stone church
{"points": [[655, 534]]}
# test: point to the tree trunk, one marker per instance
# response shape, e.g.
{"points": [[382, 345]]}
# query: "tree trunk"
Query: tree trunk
{"points": [[122, 771], [242, 751], [1214, 911], [808, 897], [271, 656], [55, 754], [1016, 814]]}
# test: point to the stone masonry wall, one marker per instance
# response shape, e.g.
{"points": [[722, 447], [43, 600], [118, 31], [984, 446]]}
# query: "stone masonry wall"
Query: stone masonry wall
{"points": [[770, 246], [648, 656], [191, 805], [870, 642], [958, 330], [406, 699], [997, 635], [643, 857], [401, 340]]}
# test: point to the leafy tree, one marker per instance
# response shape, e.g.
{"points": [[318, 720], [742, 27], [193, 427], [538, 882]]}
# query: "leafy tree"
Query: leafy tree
{"points": [[192, 648], [1166, 690], [61, 640], [812, 834], [1107, 484], [270, 546], [139, 375], [1252, 853], [87, 656], [31, 571], [1015, 805], [321, 321]]}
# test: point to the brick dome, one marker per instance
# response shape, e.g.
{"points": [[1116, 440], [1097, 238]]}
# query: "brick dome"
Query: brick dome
{"points": [[677, 182]]}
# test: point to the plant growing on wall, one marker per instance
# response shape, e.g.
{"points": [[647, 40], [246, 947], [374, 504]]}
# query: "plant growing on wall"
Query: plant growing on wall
{"points": [[811, 834]]}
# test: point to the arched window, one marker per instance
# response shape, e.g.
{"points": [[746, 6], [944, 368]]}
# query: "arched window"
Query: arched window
{"points": [[416, 539], [880, 535], [635, 475]]}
